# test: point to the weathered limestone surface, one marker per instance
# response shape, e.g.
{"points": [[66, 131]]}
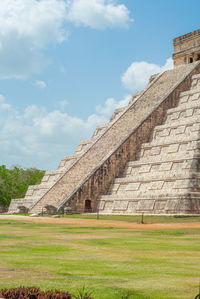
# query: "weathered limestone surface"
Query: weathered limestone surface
{"points": [[165, 178], [96, 168]]}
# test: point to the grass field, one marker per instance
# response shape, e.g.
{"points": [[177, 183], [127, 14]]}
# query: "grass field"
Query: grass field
{"points": [[158, 264], [131, 218]]}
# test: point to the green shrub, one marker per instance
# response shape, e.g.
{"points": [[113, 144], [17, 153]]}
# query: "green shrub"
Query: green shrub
{"points": [[198, 296], [36, 293], [32, 293], [83, 293]]}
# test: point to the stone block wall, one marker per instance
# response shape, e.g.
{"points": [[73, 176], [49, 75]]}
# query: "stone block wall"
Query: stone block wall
{"points": [[187, 48], [164, 179]]}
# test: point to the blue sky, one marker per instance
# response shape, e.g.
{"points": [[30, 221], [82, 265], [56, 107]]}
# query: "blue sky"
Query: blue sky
{"points": [[65, 65]]}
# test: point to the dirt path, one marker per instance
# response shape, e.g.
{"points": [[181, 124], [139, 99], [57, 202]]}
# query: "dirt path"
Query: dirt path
{"points": [[102, 223]]}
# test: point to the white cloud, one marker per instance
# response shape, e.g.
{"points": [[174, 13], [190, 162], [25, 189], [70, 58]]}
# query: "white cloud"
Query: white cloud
{"points": [[169, 64], [26, 28], [40, 84], [3, 104], [63, 104], [138, 73], [37, 137], [39, 21], [111, 104], [99, 14]]}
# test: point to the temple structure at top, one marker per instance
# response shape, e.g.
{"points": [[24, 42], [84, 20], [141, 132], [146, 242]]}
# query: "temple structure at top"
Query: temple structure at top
{"points": [[187, 48]]}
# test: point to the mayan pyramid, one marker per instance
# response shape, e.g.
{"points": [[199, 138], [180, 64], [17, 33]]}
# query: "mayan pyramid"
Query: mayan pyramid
{"points": [[145, 160]]}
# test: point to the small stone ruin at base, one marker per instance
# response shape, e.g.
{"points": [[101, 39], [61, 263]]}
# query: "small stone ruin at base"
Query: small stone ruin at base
{"points": [[146, 160]]}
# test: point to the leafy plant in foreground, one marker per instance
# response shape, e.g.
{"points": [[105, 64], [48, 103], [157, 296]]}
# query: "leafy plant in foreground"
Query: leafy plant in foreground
{"points": [[84, 293], [198, 296], [126, 296]]}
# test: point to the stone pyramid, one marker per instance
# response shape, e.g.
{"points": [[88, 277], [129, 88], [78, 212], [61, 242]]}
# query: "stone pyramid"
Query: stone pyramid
{"points": [[165, 176], [145, 160]]}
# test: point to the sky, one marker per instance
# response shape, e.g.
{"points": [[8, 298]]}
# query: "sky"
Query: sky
{"points": [[66, 65]]}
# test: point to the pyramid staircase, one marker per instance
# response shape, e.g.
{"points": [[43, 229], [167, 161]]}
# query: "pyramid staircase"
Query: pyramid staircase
{"points": [[165, 177], [36, 192], [144, 160]]}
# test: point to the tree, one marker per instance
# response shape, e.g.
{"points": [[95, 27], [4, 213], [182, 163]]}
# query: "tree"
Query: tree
{"points": [[14, 182]]}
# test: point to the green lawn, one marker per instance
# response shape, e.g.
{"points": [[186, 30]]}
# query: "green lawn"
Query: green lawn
{"points": [[129, 218], [151, 264], [137, 219]]}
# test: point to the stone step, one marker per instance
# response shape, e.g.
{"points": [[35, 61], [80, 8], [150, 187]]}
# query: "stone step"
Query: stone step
{"points": [[153, 191], [190, 92], [38, 190], [181, 139], [195, 80], [46, 184], [33, 199], [150, 195], [189, 98], [189, 132], [37, 193], [195, 83], [155, 176], [116, 113], [27, 202], [31, 191], [186, 103], [197, 76], [178, 123], [53, 172], [185, 110], [161, 186], [83, 146], [15, 203], [51, 176], [154, 194], [158, 159], [183, 126], [40, 186], [167, 204], [100, 129], [66, 162], [134, 169], [168, 149]]}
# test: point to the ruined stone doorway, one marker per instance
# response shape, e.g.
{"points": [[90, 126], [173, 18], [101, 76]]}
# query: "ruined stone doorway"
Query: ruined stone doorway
{"points": [[88, 207]]}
